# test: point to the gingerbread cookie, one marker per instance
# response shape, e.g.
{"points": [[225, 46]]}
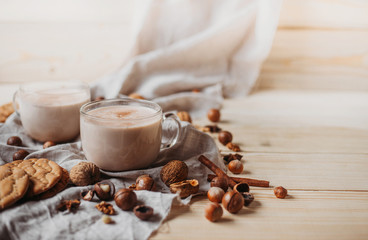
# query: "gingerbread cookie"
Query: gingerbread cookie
{"points": [[5, 111], [14, 182], [59, 186], [43, 174]]}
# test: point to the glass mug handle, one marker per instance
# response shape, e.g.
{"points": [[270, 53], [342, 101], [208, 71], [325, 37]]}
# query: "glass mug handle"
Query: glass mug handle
{"points": [[173, 141], [15, 105]]}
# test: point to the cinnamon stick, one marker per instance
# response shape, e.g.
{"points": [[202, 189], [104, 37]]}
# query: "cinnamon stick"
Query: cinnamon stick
{"points": [[249, 181], [210, 165]]}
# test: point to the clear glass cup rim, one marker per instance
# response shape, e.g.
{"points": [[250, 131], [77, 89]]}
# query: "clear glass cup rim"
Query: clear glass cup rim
{"points": [[127, 101], [44, 85]]}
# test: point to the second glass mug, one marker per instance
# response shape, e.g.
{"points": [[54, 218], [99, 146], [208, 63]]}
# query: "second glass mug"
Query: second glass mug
{"points": [[124, 134]]}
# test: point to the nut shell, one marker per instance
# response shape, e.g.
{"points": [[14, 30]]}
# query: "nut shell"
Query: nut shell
{"points": [[280, 192], [125, 199], [185, 188], [145, 182], [174, 171], [20, 155], [235, 166], [99, 189], [213, 115], [14, 141], [220, 182], [215, 194], [84, 174], [213, 211], [233, 201], [225, 137], [143, 212]]}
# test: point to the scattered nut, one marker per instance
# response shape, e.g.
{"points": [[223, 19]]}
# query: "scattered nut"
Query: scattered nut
{"points": [[235, 166], [70, 205], [48, 144], [99, 98], [211, 128], [14, 141], [233, 147], [106, 208], [84, 173], [225, 137], [213, 211], [233, 201], [87, 195], [143, 212], [280, 192], [104, 190], [106, 219], [215, 194], [220, 182], [174, 171], [185, 188], [125, 199], [184, 116], [248, 198], [145, 182], [229, 157], [213, 115], [20, 155], [136, 96]]}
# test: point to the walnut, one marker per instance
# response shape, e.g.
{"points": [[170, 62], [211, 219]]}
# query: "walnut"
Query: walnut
{"points": [[184, 116], [174, 171], [106, 208], [233, 147], [185, 188], [85, 173]]}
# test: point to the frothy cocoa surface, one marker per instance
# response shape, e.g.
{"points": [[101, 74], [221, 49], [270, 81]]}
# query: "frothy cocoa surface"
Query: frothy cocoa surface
{"points": [[130, 115]]}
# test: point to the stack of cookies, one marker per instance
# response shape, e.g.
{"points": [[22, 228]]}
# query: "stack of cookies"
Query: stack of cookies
{"points": [[35, 178]]}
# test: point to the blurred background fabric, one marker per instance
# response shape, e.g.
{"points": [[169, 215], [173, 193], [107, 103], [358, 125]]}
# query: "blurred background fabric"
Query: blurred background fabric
{"points": [[216, 47]]}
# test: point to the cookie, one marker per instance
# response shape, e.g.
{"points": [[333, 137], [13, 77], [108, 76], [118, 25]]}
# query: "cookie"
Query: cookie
{"points": [[5, 111], [59, 186], [14, 182], [43, 174]]}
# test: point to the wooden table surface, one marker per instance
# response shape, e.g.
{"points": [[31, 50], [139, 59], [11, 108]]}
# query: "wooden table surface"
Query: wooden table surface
{"points": [[305, 127]]}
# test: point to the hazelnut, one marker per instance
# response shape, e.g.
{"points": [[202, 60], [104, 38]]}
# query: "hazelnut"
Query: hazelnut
{"points": [[225, 137], [84, 173], [213, 115], [174, 171], [215, 194], [233, 201], [184, 116], [220, 182], [87, 195], [14, 141], [104, 190], [106, 219], [136, 96], [143, 212], [145, 182], [185, 188], [280, 192], [48, 144], [235, 166], [20, 155], [125, 199], [213, 211]]}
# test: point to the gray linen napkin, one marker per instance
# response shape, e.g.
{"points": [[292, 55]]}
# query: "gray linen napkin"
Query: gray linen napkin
{"points": [[41, 220]]}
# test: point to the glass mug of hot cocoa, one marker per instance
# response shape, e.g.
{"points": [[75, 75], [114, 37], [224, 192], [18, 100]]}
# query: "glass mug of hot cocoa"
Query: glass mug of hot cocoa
{"points": [[124, 134], [49, 111]]}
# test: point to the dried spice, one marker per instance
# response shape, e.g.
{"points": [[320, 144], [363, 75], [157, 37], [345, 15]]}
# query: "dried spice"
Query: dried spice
{"points": [[229, 157]]}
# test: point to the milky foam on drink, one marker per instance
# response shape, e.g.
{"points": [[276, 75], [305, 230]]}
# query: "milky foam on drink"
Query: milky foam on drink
{"points": [[56, 97], [122, 112]]}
